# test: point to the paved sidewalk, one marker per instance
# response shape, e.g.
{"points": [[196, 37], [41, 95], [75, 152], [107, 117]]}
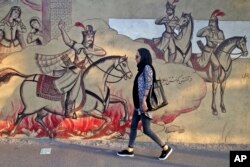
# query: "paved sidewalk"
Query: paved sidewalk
{"points": [[65, 153]]}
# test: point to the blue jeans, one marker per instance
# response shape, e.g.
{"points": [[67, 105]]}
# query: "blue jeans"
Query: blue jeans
{"points": [[146, 129]]}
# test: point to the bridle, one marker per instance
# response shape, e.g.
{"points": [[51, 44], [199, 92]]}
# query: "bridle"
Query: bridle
{"points": [[240, 53], [108, 72], [119, 68]]}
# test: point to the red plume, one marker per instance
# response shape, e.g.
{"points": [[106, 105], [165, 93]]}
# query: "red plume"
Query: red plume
{"points": [[79, 24], [220, 14], [215, 12]]}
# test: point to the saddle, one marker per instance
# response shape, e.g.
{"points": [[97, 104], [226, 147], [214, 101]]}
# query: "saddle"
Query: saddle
{"points": [[196, 66], [46, 89]]}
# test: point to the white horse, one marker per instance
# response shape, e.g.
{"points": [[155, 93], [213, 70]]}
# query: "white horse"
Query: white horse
{"points": [[183, 40], [91, 103]]}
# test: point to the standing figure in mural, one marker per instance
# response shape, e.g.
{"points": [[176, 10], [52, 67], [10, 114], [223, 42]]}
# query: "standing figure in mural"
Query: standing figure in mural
{"points": [[214, 36], [167, 42], [35, 36], [13, 29], [142, 84], [69, 82]]}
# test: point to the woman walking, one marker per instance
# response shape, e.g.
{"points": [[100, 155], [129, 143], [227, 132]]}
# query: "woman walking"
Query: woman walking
{"points": [[142, 84]]}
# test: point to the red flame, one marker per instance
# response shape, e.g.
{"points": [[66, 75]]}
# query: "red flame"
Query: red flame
{"points": [[65, 127]]}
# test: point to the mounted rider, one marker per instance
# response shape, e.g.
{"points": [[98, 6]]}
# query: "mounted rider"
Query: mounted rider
{"points": [[166, 43], [214, 36], [68, 67], [69, 83]]}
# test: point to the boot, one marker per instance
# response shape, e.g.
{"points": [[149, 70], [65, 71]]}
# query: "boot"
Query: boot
{"points": [[68, 109]]}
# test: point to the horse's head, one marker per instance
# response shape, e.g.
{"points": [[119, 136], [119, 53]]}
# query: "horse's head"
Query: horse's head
{"points": [[184, 19], [122, 66], [241, 44], [185, 29]]}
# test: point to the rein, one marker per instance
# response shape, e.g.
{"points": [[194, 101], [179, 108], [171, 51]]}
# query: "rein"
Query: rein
{"points": [[240, 53], [108, 73], [93, 64], [229, 53]]}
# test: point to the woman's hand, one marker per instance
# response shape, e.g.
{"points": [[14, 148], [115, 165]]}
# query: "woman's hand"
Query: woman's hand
{"points": [[144, 105]]}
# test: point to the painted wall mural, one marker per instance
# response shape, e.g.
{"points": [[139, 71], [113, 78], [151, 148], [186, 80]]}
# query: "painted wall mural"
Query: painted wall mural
{"points": [[67, 78]]}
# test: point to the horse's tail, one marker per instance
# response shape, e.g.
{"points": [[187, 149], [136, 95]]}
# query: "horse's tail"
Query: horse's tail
{"points": [[7, 73]]}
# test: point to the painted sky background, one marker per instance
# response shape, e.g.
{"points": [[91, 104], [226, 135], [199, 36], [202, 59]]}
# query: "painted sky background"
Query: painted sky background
{"points": [[146, 28]]}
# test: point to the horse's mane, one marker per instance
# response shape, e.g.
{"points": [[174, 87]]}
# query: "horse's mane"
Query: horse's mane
{"points": [[192, 22], [192, 25], [227, 42], [100, 61], [184, 41]]}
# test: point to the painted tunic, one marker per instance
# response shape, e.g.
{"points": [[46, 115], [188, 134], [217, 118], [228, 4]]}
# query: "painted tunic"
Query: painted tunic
{"points": [[13, 39]]}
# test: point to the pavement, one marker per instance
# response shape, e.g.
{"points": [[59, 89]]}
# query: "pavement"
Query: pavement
{"points": [[43, 152]]}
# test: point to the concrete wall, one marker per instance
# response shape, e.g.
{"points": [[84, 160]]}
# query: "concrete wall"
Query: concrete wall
{"points": [[187, 119]]}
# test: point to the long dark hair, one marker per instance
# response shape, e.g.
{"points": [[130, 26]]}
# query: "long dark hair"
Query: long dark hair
{"points": [[146, 59], [7, 17]]}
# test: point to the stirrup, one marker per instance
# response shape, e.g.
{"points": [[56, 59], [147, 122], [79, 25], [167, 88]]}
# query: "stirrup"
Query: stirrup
{"points": [[74, 115], [68, 115], [68, 110]]}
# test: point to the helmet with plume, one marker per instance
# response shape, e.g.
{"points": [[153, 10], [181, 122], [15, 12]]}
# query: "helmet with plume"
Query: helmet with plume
{"points": [[171, 5], [215, 14], [88, 30]]}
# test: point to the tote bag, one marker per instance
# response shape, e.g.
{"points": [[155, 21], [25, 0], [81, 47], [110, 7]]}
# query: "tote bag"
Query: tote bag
{"points": [[156, 97]]}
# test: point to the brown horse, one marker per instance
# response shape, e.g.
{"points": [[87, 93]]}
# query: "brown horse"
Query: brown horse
{"points": [[91, 104]]}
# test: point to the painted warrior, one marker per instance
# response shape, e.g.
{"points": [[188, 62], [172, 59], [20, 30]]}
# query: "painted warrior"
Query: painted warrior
{"points": [[166, 42], [69, 82], [214, 36], [69, 79]]}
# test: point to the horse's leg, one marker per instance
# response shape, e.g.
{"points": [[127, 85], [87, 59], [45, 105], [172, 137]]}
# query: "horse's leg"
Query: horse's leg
{"points": [[214, 90], [17, 122], [222, 90], [171, 57], [115, 99], [187, 58], [97, 114], [39, 118], [166, 55]]}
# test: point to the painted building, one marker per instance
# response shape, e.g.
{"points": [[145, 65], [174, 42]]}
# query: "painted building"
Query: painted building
{"points": [[52, 12]]}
